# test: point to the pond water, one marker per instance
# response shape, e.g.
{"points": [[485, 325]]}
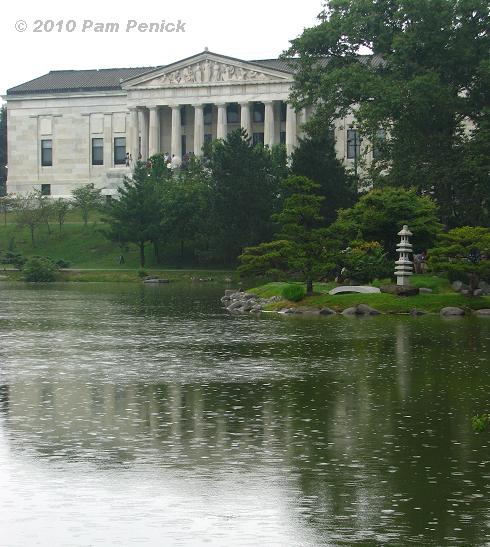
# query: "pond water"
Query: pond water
{"points": [[136, 415]]}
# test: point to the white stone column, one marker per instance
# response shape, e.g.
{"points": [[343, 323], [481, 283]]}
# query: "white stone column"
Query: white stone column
{"points": [[302, 121], [176, 147], [134, 147], [291, 138], [245, 120], [221, 130], [269, 124], [154, 136], [198, 128], [144, 134], [108, 141]]}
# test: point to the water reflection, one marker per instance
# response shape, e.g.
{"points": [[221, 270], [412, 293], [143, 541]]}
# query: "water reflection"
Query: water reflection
{"points": [[155, 407]]}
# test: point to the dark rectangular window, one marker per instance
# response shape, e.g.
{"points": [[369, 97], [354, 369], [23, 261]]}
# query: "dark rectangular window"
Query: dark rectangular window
{"points": [[232, 113], [282, 137], [208, 114], [257, 138], [258, 112], [183, 115], [283, 111], [45, 189], [353, 144], [183, 140], [98, 151], [120, 151], [378, 143], [46, 152], [208, 137]]}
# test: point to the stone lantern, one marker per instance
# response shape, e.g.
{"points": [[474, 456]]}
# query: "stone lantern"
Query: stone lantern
{"points": [[404, 266]]}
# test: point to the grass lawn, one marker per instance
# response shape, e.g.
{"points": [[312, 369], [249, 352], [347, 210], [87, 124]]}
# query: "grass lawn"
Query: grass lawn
{"points": [[441, 297]]}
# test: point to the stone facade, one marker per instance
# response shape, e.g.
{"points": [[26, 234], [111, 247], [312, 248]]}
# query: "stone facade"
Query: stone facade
{"points": [[170, 109]]}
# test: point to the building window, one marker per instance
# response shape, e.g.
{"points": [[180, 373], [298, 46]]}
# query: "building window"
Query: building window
{"points": [[208, 137], [183, 141], [282, 137], [257, 138], [98, 151], [45, 189], [46, 152], [258, 112], [183, 115], [379, 139], [232, 113], [120, 151], [208, 114], [353, 144], [283, 111]]}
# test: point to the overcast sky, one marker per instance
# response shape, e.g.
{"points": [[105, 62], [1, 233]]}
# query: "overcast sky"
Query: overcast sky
{"points": [[248, 29]]}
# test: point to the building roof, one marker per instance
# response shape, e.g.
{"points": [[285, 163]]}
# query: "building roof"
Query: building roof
{"points": [[62, 81]]}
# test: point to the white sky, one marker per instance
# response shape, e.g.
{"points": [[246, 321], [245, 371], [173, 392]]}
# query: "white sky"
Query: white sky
{"points": [[246, 29]]}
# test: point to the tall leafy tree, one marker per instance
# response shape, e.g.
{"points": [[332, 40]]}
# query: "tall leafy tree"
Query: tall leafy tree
{"points": [[464, 250], [425, 82], [244, 189], [136, 216], [300, 246], [86, 198], [380, 214], [186, 205], [315, 158]]}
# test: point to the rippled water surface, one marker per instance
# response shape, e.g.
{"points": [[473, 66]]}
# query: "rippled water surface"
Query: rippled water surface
{"points": [[148, 416]]}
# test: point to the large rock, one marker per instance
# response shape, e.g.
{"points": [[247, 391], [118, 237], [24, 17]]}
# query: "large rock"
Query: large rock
{"points": [[484, 286], [459, 286], [349, 311], [400, 291], [362, 289], [364, 309], [478, 292], [416, 312], [484, 312], [451, 311], [425, 290], [327, 311]]}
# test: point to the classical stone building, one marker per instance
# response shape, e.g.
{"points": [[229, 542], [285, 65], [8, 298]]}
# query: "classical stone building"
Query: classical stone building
{"points": [[74, 127]]}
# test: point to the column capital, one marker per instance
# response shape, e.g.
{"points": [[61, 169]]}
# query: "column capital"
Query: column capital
{"points": [[153, 107], [267, 101], [175, 106], [197, 105], [221, 104]]}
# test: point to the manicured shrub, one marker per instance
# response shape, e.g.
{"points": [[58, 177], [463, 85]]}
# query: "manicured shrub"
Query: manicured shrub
{"points": [[39, 270], [295, 293]]}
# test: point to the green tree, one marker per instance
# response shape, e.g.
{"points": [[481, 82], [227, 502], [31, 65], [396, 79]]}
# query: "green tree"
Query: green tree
{"points": [[464, 250], [136, 215], [28, 212], [6, 204], [244, 190], [87, 199], [39, 270], [301, 245], [379, 216], [60, 208], [267, 259], [315, 158], [428, 76], [186, 205]]}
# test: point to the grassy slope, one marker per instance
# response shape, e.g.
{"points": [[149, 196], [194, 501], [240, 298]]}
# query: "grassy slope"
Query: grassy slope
{"points": [[388, 303], [85, 247]]}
